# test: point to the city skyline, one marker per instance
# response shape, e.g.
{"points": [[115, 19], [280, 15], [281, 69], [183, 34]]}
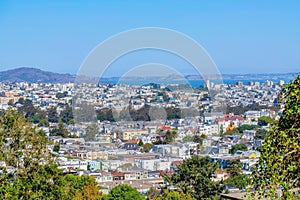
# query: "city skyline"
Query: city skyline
{"points": [[241, 37]]}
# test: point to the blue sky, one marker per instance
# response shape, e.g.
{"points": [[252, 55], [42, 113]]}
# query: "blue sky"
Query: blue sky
{"points": [[241, 36]]}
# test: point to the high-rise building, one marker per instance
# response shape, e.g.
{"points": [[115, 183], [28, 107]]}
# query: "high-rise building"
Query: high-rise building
{"points": [[239, 83], [281, 82]]}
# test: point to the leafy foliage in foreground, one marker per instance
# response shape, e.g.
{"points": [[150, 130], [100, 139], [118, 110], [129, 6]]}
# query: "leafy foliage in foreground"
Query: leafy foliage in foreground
{"points": [[27, 169], [278, 166], [173, 195]]}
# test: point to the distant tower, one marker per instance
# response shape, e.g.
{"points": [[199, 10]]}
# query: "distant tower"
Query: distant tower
{"points": [[240, 83], [251, 83], [207, 83], [281, 82], [257, 84]]}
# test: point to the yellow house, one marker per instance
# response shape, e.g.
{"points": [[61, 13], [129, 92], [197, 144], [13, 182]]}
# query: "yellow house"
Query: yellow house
{"points": [[128, 134]]}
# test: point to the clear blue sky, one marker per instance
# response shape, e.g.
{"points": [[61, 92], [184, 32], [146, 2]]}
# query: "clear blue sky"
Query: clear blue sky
{"points": [[241, 36]]}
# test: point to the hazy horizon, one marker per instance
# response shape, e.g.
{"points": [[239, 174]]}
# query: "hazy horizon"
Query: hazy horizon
{"points": [[241, 37]]}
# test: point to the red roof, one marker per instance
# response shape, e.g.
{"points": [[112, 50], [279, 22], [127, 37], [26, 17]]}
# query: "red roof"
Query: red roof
{"points": [[233, 118], [165, 127], [177, 162], [117, 173]]}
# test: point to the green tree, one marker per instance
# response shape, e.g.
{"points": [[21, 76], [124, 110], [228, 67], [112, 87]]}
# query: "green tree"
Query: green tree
{"points": [[61, 95], [260, 134], [146, 147], [173, 195], [52, 115], [67, 115], [239, 181], [78, 187], [238, 147], [221, 130], [11, 102], [105, 114], [60, 130], [140, 143], [235, 167], [233, 131], [23, 148], [56, 147], [236, 179], [170, 136], [265, 120], [278, 164], [247, 127], [28, 110], [44, 122], [28, 170], [21, 100], [91, 132], [173, 113], [123, 192], [194, 177], [187, 138]]}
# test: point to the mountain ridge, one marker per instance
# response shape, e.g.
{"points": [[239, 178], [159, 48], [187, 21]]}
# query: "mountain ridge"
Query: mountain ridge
{"points": [[34, 75]]}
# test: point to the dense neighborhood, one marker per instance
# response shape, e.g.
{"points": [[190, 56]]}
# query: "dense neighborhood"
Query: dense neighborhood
{"points": [[136, 135]]}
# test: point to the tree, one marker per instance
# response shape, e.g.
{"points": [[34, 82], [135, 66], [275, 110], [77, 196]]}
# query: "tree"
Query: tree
{"points": [[265, 121], [123, 192], [194, 177], [11, 102], [236, 179], [173, 113], [28, 170], [235, 167], [21, 100], [43, 122], [140, 143], [173, 195], [61, 95], [60, 130], [239, 181], [187, 138], [52, 115], [221, 130], [28, 110], [238, 147], [56, 147], [260, 134], [67, 115], [105, 114], [79, 187], [146, 147], [233, 131], [24, 149], [278, 165], [91, 132], [247, 127], [170, 136]]}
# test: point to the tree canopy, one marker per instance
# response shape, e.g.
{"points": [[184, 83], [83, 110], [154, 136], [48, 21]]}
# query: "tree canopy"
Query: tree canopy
{"points": [[28, 169], [278, 165], [265, 120], [236, 178], [173, 195], [123, 192], [238, 147], [194, 177]]}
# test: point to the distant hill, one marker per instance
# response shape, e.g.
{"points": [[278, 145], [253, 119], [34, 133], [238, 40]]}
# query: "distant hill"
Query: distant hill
{"points": [[265, 76], [34, 75]]}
